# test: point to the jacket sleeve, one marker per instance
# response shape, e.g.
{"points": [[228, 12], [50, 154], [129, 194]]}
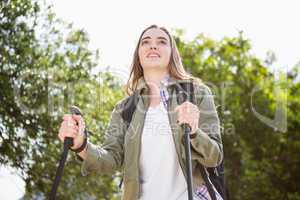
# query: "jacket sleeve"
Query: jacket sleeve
{"points": [[108, 157], [207, 146]]}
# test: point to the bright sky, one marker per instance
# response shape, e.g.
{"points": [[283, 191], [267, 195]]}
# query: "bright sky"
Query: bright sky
{"points": [[114, 27], [12, 186]]}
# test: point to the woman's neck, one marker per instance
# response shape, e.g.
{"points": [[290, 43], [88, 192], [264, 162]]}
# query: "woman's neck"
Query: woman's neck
{"points": [[153, 81]]}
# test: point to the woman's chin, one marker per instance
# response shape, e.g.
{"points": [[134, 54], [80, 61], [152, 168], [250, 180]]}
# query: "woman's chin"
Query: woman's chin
{"points": [[154, 67]]}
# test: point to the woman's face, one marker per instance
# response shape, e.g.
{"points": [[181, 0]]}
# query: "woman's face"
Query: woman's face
{"points": [[154, 49]]}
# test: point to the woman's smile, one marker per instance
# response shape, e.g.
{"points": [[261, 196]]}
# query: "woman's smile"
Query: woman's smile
{"points": [[153, 55]]}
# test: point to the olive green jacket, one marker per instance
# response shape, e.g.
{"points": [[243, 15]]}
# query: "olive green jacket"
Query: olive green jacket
{"points": [[121, 148]]}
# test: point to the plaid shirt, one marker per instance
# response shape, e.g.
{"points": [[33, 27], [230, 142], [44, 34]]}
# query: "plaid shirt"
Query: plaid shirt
{"points": [[163, 90], [201, 193]]}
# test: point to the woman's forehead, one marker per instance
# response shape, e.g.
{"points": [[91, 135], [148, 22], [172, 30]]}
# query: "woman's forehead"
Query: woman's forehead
{"points": [[155, 33]]}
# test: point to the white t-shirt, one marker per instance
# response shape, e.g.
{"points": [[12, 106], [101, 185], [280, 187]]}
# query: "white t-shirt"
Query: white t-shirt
{"points": [[161, 174]]}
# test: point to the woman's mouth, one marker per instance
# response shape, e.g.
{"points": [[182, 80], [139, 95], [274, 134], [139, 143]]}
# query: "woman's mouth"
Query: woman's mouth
{"points": [[153, 55]]}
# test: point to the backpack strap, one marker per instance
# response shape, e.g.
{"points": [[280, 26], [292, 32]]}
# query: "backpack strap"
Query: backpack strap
{"points": [[207, 182], [185, 91], [129, 107]]}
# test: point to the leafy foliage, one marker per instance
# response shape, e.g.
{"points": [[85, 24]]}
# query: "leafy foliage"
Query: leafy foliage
{"points": [[46, 66], [261, 159]]}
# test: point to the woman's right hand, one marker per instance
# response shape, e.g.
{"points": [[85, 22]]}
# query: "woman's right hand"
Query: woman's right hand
{"points": [[72, 126]]}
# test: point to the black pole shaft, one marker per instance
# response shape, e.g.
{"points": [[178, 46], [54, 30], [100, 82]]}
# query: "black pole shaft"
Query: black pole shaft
{"points": [[68, 142], [188, 160]]}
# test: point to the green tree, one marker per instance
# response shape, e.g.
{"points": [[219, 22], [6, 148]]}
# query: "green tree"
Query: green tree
{"points": [[46, 66], [261, 161]]}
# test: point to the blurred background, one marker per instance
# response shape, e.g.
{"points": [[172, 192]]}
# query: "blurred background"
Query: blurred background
{"points": [[57, 53]]}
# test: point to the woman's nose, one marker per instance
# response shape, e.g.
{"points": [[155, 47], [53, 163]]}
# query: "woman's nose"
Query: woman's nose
{"points": [[153, 46]]}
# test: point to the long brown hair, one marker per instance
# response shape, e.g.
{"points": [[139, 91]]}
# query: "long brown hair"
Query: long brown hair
{"points": [[175, 66]]}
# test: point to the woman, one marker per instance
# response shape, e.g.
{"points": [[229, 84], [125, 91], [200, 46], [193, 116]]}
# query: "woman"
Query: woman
{"points": [[150, 151]]}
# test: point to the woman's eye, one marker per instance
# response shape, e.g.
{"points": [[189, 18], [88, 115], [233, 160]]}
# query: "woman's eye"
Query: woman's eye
{"points": [[162, 42], [145, 42]]}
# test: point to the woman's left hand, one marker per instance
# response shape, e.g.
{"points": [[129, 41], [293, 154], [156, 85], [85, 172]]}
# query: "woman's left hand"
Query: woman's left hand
{"points": [[188, 113]]}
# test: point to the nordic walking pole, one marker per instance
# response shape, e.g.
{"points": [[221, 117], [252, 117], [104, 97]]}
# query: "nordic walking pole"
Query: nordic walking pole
{"points": [[187, 148], [68, 142]]}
